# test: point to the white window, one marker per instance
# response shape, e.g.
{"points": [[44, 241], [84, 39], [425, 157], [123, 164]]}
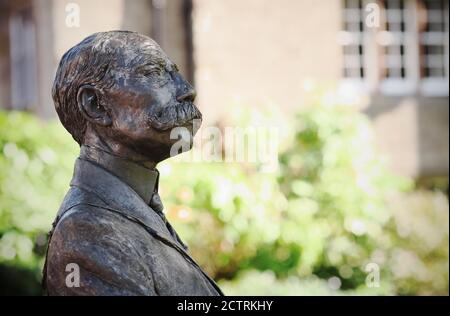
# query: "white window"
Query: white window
{"points": [[433, 39], [406, 53], [353, 65]]}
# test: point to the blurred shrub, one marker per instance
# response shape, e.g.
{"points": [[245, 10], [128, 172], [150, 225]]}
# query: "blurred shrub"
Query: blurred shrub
{"points": [[257, 283], [341, 212], [419, 255], [336, 188], [36, 161], [225, 212]]}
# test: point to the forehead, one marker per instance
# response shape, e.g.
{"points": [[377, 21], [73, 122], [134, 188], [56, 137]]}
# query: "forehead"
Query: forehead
{"points": [[141, 50]]}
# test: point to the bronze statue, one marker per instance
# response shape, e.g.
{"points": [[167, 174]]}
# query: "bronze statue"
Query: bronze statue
{"points": [[120, 96]]}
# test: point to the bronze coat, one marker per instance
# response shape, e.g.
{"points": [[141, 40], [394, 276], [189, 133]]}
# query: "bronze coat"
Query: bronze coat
{"points": [[120, 244]]}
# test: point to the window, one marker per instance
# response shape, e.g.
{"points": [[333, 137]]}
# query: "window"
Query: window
{"points": [[406, 53], [353, 64], [394, 62], [23, 60], [433, 39]]}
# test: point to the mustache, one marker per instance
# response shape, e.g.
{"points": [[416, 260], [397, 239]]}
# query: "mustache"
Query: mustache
{"points": [[168, 117]]}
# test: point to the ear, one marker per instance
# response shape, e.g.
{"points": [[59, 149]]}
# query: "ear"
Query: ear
{"points": [[89, 105]]}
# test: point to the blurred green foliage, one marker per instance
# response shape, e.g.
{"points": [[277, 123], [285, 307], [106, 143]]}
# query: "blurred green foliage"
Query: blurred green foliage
{"points": [[309, 228], [36, 161], [346, 210]]}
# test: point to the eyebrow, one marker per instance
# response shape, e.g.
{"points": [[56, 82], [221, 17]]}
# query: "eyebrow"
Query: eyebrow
{"points": [[151, 65], [148, 60], [159, 66]]}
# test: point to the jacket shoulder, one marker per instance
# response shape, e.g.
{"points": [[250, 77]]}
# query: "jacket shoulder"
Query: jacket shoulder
{"points": [[102, 245], [77, 196]]}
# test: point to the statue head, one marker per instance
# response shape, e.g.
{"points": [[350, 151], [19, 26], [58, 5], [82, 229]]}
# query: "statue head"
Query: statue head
{"points": [[119, 88]]}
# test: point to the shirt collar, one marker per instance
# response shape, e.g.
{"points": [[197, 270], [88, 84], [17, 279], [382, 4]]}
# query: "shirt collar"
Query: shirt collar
{"points": [[142, 180]]}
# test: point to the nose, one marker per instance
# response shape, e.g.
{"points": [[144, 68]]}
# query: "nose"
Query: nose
{"points": [[185, 92], [188, 95]]}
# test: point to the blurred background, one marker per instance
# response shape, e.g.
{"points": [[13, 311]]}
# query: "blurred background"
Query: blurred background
{"points": [[358, 89]]}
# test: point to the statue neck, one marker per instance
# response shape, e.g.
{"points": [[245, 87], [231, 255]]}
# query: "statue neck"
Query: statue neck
{"points": [[143, 180], [93, 139]]}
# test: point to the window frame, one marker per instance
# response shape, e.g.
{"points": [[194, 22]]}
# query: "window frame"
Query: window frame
{"points": [[374, 79]]}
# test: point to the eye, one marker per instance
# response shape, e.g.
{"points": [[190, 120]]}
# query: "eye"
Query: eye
{"points": [[164, 79], [150, 73]]}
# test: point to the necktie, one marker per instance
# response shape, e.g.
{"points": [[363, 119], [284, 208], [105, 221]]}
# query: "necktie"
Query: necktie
{"points": [[157, 206]]}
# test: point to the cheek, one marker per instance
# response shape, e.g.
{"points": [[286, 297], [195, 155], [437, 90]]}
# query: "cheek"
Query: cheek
{"points": [[165, 96], [131, 121], [132, 92], [129, 111]]}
